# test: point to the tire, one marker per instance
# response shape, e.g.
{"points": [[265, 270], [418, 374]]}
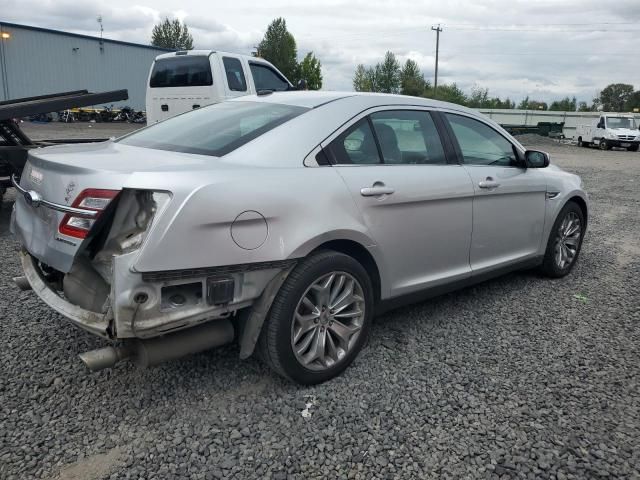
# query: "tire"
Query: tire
{"points": [[552, 265], [604, 145], [580, 143], [633, 148], [301, 291]]}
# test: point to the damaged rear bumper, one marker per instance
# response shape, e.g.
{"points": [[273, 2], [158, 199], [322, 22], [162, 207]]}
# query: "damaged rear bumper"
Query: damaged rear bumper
{"points": [[93, 322]]}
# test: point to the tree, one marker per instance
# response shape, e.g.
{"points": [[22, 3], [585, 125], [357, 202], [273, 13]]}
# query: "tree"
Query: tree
{"points": [[565, 105], [633, 102], [388, 74], [447, 93], [172, 34], [584, 107], [360, 83], [614, 97], [279, 47], [412, 80], [310, 71], [527, 104]]}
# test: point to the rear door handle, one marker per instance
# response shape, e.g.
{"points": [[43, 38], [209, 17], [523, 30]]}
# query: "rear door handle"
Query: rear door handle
{"points": [[489, 183], [376, 191]]}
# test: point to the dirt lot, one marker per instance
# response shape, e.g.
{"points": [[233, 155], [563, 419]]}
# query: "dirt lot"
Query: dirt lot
{"points": [[520, 377]]}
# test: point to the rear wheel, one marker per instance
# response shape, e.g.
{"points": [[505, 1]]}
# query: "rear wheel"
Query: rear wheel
{"points": [[565, 241], [580, 142], [319, 320]]}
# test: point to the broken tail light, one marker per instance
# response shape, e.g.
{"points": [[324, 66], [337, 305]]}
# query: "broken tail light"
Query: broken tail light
{"points": [[96, 200]]}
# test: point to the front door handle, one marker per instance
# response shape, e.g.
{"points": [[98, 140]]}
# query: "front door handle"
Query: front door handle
{"points": [[489, 183], [378, 189]]}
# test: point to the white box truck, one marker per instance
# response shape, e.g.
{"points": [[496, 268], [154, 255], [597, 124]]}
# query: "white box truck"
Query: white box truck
{"points": [[185, 80], [610, 130]]}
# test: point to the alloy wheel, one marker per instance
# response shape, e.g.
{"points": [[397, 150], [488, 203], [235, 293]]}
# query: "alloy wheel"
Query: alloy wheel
{"points": [[328, 321], [568, 240]]}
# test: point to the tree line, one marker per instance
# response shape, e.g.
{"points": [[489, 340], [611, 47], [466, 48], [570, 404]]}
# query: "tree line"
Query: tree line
{"points": [[278, 46], [388, 76]]}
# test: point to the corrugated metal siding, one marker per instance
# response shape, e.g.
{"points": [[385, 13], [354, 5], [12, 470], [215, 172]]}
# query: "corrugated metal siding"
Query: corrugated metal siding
{"points": [[40, 62]]}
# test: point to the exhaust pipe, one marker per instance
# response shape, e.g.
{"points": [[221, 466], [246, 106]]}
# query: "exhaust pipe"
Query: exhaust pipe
{"points": [[105, 357], [153, 351], [22, 283]]}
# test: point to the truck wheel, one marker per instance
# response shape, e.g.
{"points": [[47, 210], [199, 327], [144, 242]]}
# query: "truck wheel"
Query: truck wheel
{"points": [[319, 320], [604, 145], [581, 143], [633, 148]]}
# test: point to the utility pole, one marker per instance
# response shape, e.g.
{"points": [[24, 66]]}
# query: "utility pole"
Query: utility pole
{"points": [[437, 29]]}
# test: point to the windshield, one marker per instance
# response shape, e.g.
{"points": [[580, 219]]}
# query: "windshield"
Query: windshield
{"points": [[214, 130], [621, 122]]}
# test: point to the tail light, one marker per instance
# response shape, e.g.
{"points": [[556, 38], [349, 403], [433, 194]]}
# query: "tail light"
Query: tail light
{"points": [[89, 199]]}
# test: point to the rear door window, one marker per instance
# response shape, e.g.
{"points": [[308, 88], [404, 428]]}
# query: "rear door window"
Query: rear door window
{"points": [[355, 146], [235, 74], [181, 71], [408, 137], [265, 78]]}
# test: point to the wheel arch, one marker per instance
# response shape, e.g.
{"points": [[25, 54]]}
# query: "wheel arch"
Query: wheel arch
{"points": [[362, 255], [581, 202]]}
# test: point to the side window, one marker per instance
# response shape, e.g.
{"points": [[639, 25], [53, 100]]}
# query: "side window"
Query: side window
{"points": [[481, 144], [267, 79], [355, 146], [235, 74], [408, 137]]}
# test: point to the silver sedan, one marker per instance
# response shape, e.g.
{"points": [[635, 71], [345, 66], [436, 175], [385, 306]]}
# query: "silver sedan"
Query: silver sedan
{"points": [[285, 222]]}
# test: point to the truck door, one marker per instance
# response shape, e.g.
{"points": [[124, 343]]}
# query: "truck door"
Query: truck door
{"points": [[235, 79]]}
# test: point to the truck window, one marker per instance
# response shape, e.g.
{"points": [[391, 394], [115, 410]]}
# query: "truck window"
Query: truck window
{"points": [[183, 71], [235, 74], [267, 79]]}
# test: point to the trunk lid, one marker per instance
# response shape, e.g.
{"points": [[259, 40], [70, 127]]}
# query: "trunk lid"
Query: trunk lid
{"points": [[59, 174]]}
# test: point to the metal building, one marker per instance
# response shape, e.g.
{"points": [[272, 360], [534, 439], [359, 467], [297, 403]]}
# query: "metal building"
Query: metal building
{"points": [[37, 61]]}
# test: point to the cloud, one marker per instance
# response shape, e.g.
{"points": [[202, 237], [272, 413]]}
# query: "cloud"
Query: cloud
{"points": [[544, 48]]}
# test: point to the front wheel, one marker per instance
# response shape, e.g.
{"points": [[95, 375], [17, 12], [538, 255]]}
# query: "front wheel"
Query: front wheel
{"points": [[565, 241], [633, 148], [604, 145], [319, 320]]}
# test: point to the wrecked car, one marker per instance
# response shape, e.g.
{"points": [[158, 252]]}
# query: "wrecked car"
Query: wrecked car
{"points": [[284, 222]]}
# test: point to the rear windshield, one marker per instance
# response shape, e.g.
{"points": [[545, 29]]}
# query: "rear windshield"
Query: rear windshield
{"points": [[183, 71], [214, 130]]}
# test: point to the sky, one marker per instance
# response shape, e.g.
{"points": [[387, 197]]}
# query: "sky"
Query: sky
{"points": [[546, 49]]}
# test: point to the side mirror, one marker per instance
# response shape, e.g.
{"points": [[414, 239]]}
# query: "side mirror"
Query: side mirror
{"points": [[536, 159], [301, 85], [601, 125]]}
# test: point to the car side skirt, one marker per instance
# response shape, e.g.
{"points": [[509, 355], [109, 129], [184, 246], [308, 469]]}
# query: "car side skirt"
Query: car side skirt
{"points": [[416, 297]]}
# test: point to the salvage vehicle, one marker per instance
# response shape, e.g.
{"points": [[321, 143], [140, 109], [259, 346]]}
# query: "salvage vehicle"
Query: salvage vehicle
{"points": [[186, 80], [608, 131], [285, 221]]}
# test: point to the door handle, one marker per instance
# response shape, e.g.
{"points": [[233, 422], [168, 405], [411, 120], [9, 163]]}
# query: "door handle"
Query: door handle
{"points": [[378, 189], [489, 183]]}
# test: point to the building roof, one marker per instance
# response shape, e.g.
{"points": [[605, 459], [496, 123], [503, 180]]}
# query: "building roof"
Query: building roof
{"points": [[78, 35]]}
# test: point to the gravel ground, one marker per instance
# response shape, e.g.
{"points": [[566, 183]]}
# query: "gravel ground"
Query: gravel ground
{"points": [[520, 377]]}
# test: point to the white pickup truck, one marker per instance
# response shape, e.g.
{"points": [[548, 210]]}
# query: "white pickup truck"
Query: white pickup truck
{"points": [[608, 131], [186, 80]]}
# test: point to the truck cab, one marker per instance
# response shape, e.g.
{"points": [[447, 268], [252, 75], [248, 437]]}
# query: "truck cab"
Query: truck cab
{"points": [[610, 130], [186, 80]]}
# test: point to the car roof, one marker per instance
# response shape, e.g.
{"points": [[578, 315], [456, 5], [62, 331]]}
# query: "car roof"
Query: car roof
{"points": [[313, 99]]}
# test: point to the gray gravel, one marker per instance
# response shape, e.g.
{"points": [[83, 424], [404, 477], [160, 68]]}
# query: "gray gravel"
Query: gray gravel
{"points": [[520, 377]]}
